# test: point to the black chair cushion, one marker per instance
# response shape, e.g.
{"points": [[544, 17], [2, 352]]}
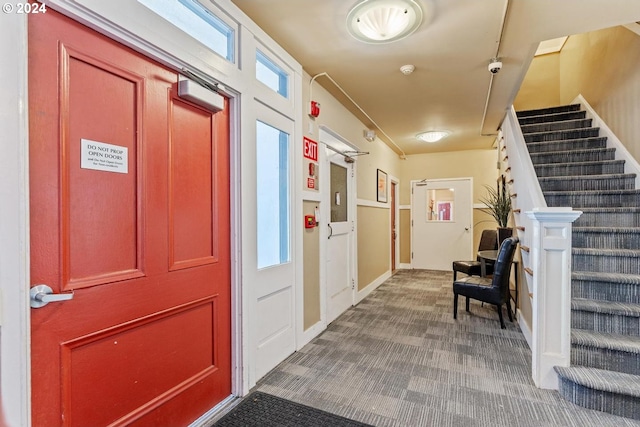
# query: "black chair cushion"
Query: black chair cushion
{"points": [[472, 268], [479, 288]]}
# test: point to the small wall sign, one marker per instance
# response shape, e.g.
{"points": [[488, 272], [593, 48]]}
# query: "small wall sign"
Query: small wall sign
{"points": [[103, 157]]}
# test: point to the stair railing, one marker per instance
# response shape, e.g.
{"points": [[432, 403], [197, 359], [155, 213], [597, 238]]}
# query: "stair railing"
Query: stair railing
{"points": [[545, 237]]}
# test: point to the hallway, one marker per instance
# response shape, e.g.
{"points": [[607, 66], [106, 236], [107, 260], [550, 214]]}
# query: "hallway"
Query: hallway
{"points": [[399, 359]]}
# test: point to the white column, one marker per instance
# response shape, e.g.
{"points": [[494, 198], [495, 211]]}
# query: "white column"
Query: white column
{"points": [[551, 266]]}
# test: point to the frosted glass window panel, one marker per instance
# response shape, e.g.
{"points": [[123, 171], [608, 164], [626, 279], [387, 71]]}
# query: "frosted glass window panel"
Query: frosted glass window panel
{"points": [[339, 205], [273, 200], [197, 21]]}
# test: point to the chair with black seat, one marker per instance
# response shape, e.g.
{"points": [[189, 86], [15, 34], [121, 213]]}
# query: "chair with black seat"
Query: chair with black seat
{"points": [[494, 290], [488, 241]]}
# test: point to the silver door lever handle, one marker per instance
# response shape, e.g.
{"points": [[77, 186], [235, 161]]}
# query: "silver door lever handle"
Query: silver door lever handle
{"points": [[42, 295]]}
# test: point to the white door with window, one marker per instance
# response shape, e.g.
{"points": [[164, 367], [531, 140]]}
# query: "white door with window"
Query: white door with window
{"points": [[272, 283], [441, 219], [339, 196]]}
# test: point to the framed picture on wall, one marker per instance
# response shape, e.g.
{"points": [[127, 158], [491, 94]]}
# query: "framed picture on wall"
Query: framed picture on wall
{"points": [[382, 186]]}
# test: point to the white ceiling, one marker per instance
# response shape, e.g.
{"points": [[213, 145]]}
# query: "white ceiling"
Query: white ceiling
{"points": [[451, 51]]}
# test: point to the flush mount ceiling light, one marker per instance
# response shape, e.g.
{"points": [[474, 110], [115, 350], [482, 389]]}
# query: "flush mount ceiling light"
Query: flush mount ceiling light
{"points": [[432, 135], [383, 21]]}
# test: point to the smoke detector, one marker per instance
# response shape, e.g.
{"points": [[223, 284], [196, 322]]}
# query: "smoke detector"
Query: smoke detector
{"points": [[407, 69]]}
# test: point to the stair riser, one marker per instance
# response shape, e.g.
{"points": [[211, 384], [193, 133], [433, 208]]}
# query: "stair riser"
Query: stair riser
{"points": [[607, 219], [605, 322], [602, 358], [574, 115], [588, 184], [606, 291], [556, 126], [550, 110], [562, 134], [613, 403], [573, 156], [605, 264], [572, 144], [608, 240], [603, 168]]}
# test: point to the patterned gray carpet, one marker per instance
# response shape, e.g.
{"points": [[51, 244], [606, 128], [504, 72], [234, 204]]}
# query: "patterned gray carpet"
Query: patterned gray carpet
{"points": [[399, 359]]}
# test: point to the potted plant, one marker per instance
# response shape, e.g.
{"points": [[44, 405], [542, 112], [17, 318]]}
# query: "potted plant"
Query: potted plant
{"points": [[498, 202]]}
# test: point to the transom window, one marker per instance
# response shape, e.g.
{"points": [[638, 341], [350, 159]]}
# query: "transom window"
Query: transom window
{"points": [[271, 74], [197, 21]]}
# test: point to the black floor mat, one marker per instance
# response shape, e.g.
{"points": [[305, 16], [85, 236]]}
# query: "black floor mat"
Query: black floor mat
{"points": [[265, 410]]}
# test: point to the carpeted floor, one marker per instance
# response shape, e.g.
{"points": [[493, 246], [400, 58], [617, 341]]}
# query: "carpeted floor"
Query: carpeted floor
{"points": [[399, 359]]}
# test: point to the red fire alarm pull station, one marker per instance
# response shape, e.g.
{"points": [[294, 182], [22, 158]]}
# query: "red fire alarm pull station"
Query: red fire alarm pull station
{"points": [[309, 221], [315, 109]]}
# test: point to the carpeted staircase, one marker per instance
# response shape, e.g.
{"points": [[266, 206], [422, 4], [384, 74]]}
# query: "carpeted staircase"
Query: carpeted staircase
{"points": [[575, 168]]}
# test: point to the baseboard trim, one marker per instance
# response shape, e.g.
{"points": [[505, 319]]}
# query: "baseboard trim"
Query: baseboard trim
{"points": [[362, 294], [525, 328], [404, 266], [306, 336]]}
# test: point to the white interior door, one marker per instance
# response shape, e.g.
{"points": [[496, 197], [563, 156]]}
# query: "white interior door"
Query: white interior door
{"points": [[339, 260], [441, 218], [272, 280]]}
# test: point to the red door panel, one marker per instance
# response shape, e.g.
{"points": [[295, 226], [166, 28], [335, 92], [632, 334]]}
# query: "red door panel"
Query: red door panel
{"points": [[129, 190]]}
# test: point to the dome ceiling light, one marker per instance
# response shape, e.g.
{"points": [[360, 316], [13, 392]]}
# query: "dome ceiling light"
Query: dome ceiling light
{"points": [[432, 135], [383, 21]]}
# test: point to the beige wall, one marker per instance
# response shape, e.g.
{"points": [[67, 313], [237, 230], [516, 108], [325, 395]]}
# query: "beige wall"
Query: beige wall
{"points": [[405, 236], [477, 164], [311, 276], [373, 223], [374, 244]]}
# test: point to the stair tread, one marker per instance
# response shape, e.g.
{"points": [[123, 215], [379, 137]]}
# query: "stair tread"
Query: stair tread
{"points": [[600, 379], [568, 140], [560, 152], [592, 192], [606, 307], [596, 276], [611, 209], [607, 252], [617, 342], [586, 177], [547, 111], [625, 230], [590, 128], [587, 163], [554, 122]]}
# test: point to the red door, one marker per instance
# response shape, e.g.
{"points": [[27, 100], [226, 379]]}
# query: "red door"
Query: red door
{"points": [[129, 211]]}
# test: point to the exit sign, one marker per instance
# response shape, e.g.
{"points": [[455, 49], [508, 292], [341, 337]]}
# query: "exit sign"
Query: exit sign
{"points": [[310, 149]]}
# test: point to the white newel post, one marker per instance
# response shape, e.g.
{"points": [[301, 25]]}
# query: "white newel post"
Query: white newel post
{"points": [[551, 266]]}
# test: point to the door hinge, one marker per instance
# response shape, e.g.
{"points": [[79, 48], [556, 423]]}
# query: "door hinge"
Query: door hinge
{"points": [[411, 255], [353, 227], [353, 284], [412, 223]]}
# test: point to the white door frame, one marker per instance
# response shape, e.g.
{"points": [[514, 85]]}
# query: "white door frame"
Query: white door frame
{"points": [[393, 179], [329, 138], [415, 181], [15, 341]]}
